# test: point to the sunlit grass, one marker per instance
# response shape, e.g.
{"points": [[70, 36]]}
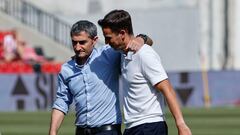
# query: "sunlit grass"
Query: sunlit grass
{"points": [[213, 121]]}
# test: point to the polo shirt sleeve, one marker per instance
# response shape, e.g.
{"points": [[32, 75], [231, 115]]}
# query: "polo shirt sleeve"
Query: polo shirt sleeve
{"points": [[151, 66], [63, 96]]}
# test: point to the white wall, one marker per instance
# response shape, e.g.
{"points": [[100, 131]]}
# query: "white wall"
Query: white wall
{"points": [[64, 7], [172, 24], [162, 18], [73, 7], [235, 47]]}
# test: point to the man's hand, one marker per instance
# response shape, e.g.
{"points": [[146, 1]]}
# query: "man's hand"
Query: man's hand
{"points": [[135, 44], [183, 129]]}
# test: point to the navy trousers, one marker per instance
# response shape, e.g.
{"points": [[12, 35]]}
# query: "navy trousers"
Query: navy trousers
{"points": [[114, 131], [102, 133], [156, 128]]}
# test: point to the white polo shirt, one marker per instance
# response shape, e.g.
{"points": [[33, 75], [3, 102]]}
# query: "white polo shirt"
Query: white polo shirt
{"points": [[142, 103]]}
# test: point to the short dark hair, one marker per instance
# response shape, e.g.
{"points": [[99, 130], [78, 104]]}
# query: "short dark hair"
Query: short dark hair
{"points": [[117, 20], [84, 25]]}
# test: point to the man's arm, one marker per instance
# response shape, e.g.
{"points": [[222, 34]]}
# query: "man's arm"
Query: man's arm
{"points": [[146, 39], [167, 90], [56, 121], [141, 39]]}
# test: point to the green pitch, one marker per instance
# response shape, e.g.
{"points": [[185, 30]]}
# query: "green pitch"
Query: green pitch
{"points": [[213, 121]]}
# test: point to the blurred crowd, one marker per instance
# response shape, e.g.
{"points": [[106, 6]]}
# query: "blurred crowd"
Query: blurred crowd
{"points": [[17, 55], [15, 49]]}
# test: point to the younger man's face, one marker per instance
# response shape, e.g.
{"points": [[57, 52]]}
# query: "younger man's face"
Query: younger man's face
{"points": [[115, 40]]}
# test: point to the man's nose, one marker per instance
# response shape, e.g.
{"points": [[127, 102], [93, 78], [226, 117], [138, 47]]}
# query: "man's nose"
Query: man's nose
{"points": [[78, 47]]}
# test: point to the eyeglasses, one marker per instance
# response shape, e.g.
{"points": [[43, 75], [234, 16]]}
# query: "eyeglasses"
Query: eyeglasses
{"points": [[82, 42]]}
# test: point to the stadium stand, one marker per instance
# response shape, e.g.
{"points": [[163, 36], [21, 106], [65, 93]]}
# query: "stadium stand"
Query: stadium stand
{"points": [[37, 27], [24, 56], [28, 59]]}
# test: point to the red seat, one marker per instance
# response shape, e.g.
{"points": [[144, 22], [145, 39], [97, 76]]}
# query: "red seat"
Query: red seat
{"points": [[15, 67], [51, 67]]}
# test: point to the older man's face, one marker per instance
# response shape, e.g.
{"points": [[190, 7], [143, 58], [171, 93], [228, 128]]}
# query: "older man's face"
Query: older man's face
{"points": [[83, 44]]}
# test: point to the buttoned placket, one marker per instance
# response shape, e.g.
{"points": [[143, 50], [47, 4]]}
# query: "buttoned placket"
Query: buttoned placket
{"points": [[84, 70], [127, 58], [86, 79]]}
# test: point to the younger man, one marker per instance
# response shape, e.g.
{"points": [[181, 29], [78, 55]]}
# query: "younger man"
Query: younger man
{"points": [[144, 81]]}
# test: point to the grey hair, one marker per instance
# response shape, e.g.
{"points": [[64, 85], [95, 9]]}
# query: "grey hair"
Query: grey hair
{"points": [[84, 25]]}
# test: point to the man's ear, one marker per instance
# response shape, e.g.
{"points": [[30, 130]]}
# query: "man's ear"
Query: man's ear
{"points": [[122, 34], [95, 39]]}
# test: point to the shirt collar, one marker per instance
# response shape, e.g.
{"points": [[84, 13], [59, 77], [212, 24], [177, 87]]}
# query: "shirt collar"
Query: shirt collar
{"points": [[89, 58], [129, 55]]}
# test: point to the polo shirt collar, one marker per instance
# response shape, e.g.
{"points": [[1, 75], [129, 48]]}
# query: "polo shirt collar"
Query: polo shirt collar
{"points": [[129, 55]]}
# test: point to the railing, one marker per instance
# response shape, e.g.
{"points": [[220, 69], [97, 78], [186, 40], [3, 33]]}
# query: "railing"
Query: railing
{"points": [[34, 17]]}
